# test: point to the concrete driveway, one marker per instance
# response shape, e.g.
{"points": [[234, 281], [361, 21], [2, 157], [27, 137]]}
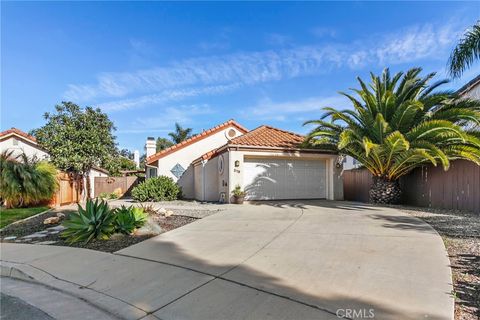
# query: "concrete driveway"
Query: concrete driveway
{"points": [[322, 258], [295, 260]]}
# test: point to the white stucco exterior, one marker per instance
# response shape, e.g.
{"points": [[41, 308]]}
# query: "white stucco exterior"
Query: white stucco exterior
{"points": [[184, 156], [208, 181], [19, 145]]}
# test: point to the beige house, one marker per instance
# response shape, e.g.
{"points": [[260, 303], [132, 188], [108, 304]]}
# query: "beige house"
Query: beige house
{"points": [[268, 163]]}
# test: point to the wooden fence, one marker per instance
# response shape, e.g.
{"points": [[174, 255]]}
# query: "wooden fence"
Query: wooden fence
{"points": [[109, 184], [428, 186], [68, 192]]}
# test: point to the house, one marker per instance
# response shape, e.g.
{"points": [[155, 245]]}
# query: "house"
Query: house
{"points": [[268, 163], [471, 89], [19, 142]]}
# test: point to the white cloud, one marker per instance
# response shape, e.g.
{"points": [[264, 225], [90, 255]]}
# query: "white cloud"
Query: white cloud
{"points": [[266, 109], [221, 73]]}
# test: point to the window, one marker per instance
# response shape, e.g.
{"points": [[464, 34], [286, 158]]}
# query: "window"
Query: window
{"points": [[177, 170], [152, 172]]}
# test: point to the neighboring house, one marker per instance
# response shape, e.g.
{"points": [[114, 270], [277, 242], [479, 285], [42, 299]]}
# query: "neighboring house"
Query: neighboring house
{"points": [[350, 163], [20, 142], [471, 89], [268, 163]]}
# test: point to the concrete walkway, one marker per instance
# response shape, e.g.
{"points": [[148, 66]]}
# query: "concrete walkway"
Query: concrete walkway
{"points": [[314, 260]]}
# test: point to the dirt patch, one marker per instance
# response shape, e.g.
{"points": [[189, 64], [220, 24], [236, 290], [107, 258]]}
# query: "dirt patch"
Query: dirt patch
{"points": [[461, 234]]}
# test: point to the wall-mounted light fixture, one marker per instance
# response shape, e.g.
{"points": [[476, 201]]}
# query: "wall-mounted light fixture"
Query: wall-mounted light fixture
{"points": [[237, 163]]}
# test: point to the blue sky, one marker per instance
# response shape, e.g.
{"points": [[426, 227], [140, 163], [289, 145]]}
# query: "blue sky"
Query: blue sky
{"points": [[149, 65]]}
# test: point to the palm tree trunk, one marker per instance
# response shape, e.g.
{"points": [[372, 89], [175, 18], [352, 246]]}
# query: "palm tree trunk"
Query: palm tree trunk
{"points": [[385, 191]]}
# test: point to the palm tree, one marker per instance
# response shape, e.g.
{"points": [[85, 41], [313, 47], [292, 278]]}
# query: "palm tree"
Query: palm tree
{"points": [[180, 133], [398, 124], [466, 51]]}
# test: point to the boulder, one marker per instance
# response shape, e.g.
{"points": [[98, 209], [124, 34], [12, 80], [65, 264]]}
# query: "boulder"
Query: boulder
{"points": [[51, 220], [162, 211], [168, 213], [60, 215]]}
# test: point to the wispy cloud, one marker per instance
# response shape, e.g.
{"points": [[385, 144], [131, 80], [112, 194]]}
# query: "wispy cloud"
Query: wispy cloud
{"points": [[222, 73], [266, 109], [165, 96], [277, 39]]}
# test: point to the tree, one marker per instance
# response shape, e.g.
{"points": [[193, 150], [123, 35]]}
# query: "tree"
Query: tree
{"points": [[126, 154], [180, 133], [116, 163], [466, 51], [163, 143], [398, 124], [77, 139]]}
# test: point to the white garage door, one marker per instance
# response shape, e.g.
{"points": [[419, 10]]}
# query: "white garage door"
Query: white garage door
{"points": [[277, 179]]}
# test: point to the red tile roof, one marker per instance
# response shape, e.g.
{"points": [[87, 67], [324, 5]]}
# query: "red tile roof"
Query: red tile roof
{"points": [[263, 136], [18, 132], [266, 136], [194, 139]]}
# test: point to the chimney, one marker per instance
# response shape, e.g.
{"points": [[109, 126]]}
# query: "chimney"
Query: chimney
{"points": [[136, 158], [150, 146]]}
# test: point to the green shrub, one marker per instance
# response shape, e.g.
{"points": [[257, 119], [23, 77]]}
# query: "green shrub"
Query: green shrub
{"points": [[25, 181], [112, 196], [104, 195], [128, 219], [96, 221], [156, 189]]}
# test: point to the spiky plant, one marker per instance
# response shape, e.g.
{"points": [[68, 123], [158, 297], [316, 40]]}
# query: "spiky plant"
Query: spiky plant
{"points": [[96, 221], [466, 51], [397, 124]]}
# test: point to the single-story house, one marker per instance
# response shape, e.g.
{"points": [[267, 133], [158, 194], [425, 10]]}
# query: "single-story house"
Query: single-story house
{"points": [[21, 142], [268, 163]]}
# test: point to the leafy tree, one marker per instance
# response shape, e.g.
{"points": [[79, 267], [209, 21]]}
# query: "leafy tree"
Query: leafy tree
{"points": [[180, 134], [116, 163], [163, 143], [26, 181], [398, 124], [466, 51], [126, 154], [77, 139]]}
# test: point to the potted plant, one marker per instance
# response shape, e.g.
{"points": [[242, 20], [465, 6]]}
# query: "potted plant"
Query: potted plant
{"points": [[238, 195]]}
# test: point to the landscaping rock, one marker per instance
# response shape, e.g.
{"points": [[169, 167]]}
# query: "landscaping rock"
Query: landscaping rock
{"points": [[56, 228], [168, 213], [60, 215], [47, 242], [51, 220], [35, 235], [9, 238], [162, 211]]}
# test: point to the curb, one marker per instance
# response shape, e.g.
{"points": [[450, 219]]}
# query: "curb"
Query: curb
{"points": [[101, 301]]}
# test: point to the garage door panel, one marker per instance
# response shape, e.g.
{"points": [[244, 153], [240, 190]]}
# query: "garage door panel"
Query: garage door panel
{"points": [[267, 179]]}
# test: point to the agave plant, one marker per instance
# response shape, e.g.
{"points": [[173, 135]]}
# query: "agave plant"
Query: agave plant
{"points": [[128, 219], [96, 221], [397, 124]]}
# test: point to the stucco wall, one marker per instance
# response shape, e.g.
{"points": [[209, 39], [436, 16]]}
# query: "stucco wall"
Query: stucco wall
{"points": [[185, 156], [23, 146], [206, 186]]}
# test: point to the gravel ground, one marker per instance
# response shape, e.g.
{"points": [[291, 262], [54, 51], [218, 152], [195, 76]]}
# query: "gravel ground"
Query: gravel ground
{"points": [[115, 243], [461, 234]]}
